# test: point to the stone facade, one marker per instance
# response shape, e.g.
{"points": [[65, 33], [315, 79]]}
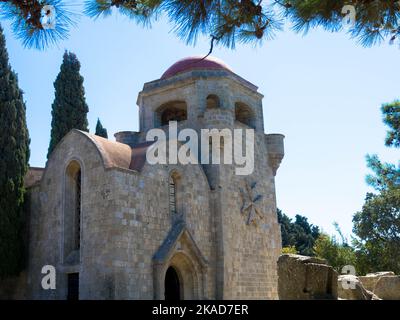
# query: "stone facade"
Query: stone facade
{"points": [[129, 236]]}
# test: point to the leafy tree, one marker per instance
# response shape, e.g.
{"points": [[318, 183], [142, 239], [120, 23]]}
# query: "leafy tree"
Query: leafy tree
{"points": [[299, 234], [288, 238], [14, 157], [340, 233], [224, 21], [377, 227], [391, 117], [386, 175], [291, 249], [335, 253], [100, 130], [69, 109]]}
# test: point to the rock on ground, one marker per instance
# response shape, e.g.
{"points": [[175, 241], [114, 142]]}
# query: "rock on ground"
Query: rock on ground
{"points": [[388, 287], [305, 278], [351, 288], [385, 284], [369, 281]]}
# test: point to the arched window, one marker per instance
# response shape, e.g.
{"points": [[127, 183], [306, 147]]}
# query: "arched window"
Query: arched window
{"points": [[172, 196], [72, 210], [212, 102], [77, 229], [245, 115], [171, 111], [175, 195]]}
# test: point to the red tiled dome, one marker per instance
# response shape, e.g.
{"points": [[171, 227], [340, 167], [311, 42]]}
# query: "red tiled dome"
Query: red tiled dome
{"points": [[192, 63]]}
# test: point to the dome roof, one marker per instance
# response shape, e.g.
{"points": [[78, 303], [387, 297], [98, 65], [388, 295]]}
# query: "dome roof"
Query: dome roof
{"points": [[195, 63]]}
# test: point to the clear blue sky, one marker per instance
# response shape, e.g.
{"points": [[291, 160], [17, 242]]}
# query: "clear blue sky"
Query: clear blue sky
{"points": [[322, 91]]}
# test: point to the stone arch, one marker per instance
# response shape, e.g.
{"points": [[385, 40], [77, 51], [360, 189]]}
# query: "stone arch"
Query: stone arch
{"points": [[181, 252], [173, 285], [245, 114], [171, 111], [72, 211], [187, 274], [212, 102]]}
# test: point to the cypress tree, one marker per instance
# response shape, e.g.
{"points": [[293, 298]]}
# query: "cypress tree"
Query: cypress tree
{"points": [[14, 157], [100, 130], [69, 109]]}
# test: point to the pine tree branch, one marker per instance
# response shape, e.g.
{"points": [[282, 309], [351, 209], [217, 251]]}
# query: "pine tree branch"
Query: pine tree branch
{"points": [[225, 21]]}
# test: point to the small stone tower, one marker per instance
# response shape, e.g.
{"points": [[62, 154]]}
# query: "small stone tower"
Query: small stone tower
{"points": [[206, 94]]}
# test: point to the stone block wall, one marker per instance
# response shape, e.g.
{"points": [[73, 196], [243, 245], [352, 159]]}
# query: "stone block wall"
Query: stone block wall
{"points": [[250, 250], [306, 278]]}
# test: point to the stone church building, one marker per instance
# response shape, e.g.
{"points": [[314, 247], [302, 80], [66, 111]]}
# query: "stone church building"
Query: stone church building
{"points": [[116, 227]]}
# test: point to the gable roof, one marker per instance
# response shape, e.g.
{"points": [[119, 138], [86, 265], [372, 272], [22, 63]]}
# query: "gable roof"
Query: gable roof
{"points": [[167, 248]]}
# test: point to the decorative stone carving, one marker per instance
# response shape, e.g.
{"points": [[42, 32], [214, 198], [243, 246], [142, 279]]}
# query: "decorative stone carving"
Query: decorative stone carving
{"points": [[105, 193], [250, 203]]}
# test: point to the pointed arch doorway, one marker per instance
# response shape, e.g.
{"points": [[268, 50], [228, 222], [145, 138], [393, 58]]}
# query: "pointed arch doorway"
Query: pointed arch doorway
{"points": [[172, 285], [179, 268]]}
